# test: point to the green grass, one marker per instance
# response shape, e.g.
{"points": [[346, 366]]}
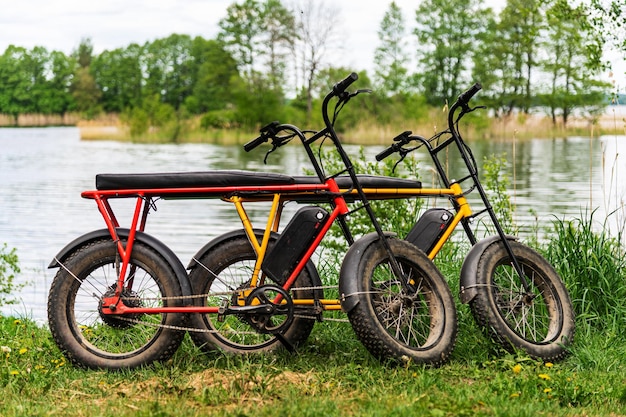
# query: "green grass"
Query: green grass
{"points": [[331, 374]]}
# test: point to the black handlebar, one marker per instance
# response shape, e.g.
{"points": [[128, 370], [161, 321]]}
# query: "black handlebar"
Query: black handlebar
{"points": [[403, 138], [465, 97], [341, 86], [385, 153], [399, 140], [267, 132], [255, 142]]}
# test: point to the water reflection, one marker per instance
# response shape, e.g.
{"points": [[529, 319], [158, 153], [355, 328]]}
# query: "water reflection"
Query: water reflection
{"points": [[43, 172]]}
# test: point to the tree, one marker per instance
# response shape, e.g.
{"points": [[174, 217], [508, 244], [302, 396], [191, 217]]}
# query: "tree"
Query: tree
{"points": [[608, 17], [240, 32], [118, 74], [390, 57], [508, 56], [168, 66], [317, 27], [215, 76], [84, 88], [279, 31], [524, 21], [15, 82], [569, 65], [62, 66], [447, 31]]}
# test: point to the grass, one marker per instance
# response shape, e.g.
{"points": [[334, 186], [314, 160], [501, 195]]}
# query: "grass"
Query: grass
{"points": [[332, 373]]}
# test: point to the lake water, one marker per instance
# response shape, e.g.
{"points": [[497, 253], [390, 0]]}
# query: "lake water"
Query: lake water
{"points": [[44, 170]]}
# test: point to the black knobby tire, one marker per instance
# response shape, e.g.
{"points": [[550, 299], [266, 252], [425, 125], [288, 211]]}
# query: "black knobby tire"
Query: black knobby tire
{"points": [[91, 339], [541, 322], [418, 326], [223, 270]]}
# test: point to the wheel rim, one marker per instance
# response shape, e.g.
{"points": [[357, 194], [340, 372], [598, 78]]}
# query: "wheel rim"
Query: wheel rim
{"points": [[115, 337], [407, 318], [534, 315], [234, 330]]}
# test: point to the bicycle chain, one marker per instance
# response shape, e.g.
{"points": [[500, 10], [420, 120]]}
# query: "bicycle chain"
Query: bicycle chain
{"points": [[196, 330]]}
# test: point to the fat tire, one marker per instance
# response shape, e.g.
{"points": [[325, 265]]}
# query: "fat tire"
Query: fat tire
{"points": [[390, 325], [542, 325], [231, 261], [82, 333]]}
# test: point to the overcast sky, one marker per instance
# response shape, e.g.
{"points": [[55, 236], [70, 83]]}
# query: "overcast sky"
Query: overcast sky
{"points": [[61, 24]]}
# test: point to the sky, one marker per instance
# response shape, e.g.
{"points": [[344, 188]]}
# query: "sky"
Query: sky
{"points": [[61, 24]]}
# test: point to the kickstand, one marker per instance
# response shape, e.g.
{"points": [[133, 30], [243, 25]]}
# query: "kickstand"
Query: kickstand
{"points": [[285, 342]]}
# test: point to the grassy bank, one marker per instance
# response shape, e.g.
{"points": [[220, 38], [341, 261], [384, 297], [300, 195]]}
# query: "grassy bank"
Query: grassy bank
{"points": [[333, 374]]}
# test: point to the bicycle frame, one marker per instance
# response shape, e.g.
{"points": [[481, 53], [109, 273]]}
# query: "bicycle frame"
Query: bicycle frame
{"points": [[239, 196]]}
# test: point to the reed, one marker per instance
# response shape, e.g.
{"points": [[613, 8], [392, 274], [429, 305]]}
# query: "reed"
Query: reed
{"points": [[367, 131]]}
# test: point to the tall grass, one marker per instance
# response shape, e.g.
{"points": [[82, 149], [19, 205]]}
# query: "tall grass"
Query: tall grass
{"points": [[593, 266]]}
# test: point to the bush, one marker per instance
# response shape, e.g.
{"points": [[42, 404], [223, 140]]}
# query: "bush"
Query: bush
{"points": [[219, 119], [8, 268]]}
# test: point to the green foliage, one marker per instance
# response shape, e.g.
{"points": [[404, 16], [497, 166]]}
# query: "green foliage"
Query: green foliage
{"points": [[257, 103], [496, 183], [119, 76], [214, 76], [390, 57], [397, 216], [277, 53], [168, 66], [8, 268], [569, 43], [592, 264], [447, 31], [218, 119], [86, 92]]}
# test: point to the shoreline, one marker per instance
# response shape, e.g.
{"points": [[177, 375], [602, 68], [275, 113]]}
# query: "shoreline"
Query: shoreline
{"points": [[520, 126]]}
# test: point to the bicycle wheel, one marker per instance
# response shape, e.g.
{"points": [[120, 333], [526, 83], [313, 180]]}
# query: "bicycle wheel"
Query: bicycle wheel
{"points": [[92, 339], [418, 325], [541, 321], [225, 271]]}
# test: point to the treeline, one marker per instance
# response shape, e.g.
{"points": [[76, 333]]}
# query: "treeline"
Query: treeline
{"points": [[271, 62]]}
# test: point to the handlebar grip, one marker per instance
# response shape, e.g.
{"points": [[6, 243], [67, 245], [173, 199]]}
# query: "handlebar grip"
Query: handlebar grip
{"points": [[465, 97], [255, 142], [345, 83], [385, 153]]}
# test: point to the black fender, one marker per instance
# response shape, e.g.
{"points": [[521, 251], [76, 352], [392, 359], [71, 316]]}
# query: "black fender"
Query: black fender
{"points": [[348, 285], [154, 243], [310, 266], [467, 284]]}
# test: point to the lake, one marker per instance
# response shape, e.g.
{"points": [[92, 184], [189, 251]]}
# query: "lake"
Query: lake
{"points": [[44, 170]]}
